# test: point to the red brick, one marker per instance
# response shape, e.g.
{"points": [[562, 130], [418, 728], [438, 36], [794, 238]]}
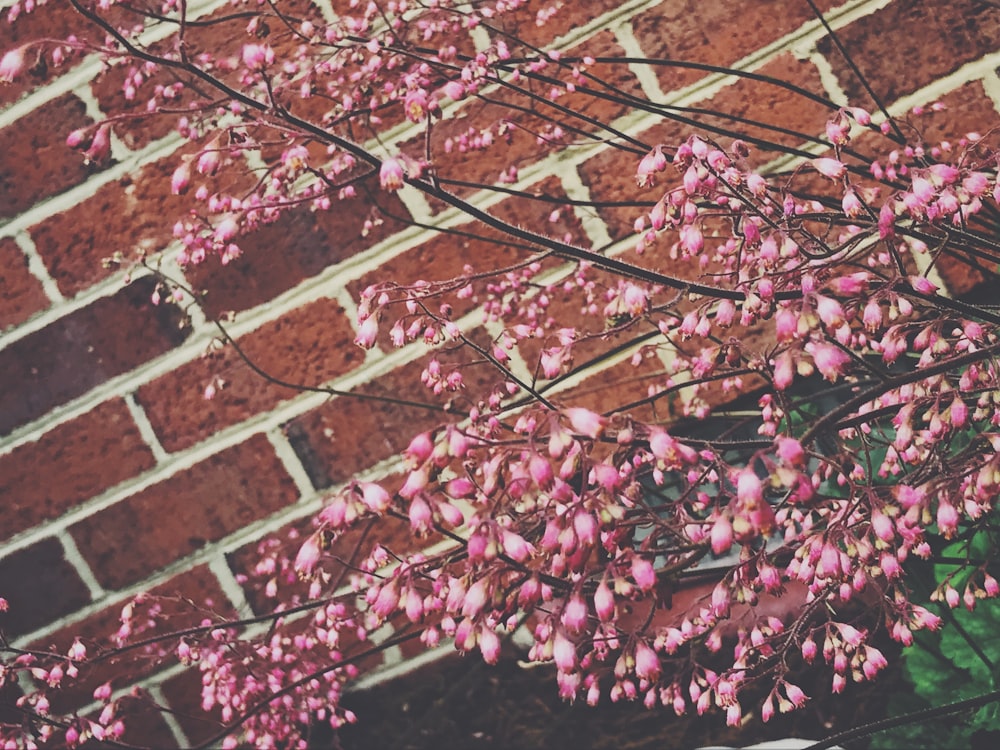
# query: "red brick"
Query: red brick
{"points": [[347, 549], [40, 585], [49, 21], [967, 109], [183, 694], [346, 435], [83, 349], [611, 175], [184, 601], [522, 23], [221, 33], [908, 44], [308, 346], [299, 245], [521, 142], [23, 294], [445, 256], [145, 726], [136, 216], [37, 162], [621, 384], [713, 33], [149, 530], [69, 464]]}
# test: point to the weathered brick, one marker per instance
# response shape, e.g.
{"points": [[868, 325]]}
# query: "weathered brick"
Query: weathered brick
{"points": [[46, 22], [184, 601], [40, 585], [299, 245], [448, 255], [967, 109], [183, 694], [521, 126], [37, 162], [713, 33], [349, 434], [70, 464], [147, 531], [137, 214], [621, 384], [906, 45], [523, 23], [747, 99], [308, 346], [22, 292], [84, 349], [346, 549]]}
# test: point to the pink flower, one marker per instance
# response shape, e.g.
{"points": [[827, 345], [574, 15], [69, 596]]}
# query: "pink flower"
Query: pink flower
{"points": [[829, 167], [226, 229], [829, 311], [180, 179], [604, 601], [475, 598], [748, 487], [574, 616], [12, 65], [257, 56], [795, 695], [100, 146], [374, 497], [76, 138], [784, 370], [515, 546], [923, 285], [585, 421], [367, 332], [385, 599], [208, 162], [886, 221], [489, 645], [790, 451], [391, 175], [420, 514], [643, 573], [786, 323], [691, 239], [309, 554], [652, 162], [721, 535], [563, 652], [852, 204], [454, 90], [647, 663], [829, 359], [947, 519]]}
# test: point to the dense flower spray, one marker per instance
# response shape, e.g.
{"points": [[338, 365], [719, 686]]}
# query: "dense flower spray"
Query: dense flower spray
{"points": [[871, 433]]}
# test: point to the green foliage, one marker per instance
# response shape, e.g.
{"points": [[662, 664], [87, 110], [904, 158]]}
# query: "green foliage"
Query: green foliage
{"points": [[960, 661]]}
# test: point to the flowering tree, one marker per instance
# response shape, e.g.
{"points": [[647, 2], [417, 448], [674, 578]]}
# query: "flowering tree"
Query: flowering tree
{"points": [[825, 420]]}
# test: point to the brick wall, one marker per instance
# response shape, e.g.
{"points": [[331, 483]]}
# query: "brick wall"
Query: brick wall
{"points": [[117, 476]]}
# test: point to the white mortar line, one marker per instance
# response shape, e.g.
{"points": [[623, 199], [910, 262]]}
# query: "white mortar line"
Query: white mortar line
{"points": [[74, 558], [290, 461], [645, 74], [146, 430], [36, 266], [828, 78], [81, 75], [229, 585], [176, 731], [991, 85], [594, 228]]}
